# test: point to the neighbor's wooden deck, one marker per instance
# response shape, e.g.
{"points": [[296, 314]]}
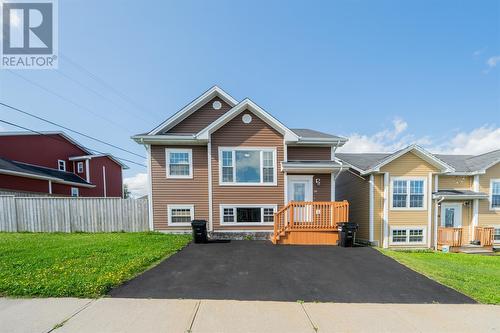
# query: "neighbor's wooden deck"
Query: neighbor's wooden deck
{"points": [[310, 223]]}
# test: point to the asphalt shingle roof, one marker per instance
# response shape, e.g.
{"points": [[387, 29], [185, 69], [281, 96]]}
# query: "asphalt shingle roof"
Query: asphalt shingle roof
{"points": [[461, 163], [9, 165], [309, 133]]}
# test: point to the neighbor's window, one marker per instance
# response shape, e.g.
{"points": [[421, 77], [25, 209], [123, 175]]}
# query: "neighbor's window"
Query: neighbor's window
{"points": [[496, 235], [179, 163], [248, 166], [247, 215], [79, 167], [180, 215], [61, 165], [495, 194], [408, 193], [407, 236]]}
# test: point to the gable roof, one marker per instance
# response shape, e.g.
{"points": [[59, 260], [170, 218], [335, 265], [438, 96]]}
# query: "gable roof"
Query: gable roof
{"points": [[373, 162], [457, 164], [247, 104], [21, 169], [192, 107]]}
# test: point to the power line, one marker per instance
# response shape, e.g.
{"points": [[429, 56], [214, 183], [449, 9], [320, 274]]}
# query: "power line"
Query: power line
{"points": [[107, 85], [44, 134], [69, 129], [97, 93], [67, 99]]}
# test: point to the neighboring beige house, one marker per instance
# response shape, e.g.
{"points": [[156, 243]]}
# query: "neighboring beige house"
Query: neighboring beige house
{"points": [[233, 164], [412, 198]]}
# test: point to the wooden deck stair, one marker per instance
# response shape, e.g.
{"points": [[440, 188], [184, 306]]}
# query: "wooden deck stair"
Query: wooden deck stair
{"points": [[311, 223]]}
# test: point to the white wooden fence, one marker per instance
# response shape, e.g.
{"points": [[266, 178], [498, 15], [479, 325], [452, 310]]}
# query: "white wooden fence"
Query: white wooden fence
{"points": [[49, 214]]}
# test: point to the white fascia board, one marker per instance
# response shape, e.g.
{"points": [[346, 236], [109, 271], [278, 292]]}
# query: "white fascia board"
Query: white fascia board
{"points": [[459, 197], [168, 140], [289, 136], [420, 152], [193, 106]]}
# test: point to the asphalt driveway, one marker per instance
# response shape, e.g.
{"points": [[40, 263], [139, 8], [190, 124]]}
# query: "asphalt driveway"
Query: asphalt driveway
{"points": [[259, 270]]}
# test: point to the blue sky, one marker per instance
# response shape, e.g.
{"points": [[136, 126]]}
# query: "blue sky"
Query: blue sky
{"points": [[384, 73]]}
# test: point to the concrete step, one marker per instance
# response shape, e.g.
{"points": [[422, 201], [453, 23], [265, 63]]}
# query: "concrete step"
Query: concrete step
{"points": [[475, 250]]}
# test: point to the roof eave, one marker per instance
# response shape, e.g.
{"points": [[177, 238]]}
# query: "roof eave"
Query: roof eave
{"points": [[164, 139], [34, 176]]}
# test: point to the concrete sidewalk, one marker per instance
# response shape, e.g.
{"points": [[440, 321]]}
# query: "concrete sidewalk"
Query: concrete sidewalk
{"points": [[154, 315]]}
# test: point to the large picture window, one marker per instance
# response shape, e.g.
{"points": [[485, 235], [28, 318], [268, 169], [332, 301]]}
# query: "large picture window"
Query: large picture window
{"points": [[179, 163], [247, 214], [247, 166], [408, 193], [495, 194]]}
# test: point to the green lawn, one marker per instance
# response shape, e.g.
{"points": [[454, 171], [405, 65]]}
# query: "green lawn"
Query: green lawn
{"points": [[473, 275], [80, 264]]}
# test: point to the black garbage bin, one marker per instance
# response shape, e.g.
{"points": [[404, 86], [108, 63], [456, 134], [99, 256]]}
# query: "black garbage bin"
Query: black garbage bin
{"points": [[199, 231], [347, 232]]}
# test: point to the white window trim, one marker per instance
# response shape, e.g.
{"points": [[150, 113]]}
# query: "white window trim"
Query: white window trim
{"points": [[494, 180], [169, 213], [79, 167], [408, 228], [495, 241], [234, 206], [76, 190], [408, 208], [59, 165], [261, 183], [167, 160]]}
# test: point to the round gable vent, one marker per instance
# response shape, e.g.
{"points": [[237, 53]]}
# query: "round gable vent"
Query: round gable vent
{"points": [[247, 119], [217, 105]]}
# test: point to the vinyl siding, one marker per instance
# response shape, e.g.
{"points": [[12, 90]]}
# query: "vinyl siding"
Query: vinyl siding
{"points": [[378, 210], [201, 118], [178, 191], [309, 153], [323, 191], [455, 182], [237, 134], [356, 191], [488, 217], [409, 165]]}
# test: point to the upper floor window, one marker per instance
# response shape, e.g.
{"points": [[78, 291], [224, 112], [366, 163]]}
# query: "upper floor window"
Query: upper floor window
{"points": [[247, 166], [61, 165], [79, 167], [495, 194], [408, 193], [179, 163]]}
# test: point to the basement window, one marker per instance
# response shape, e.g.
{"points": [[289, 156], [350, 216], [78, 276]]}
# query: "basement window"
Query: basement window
{"points": [[180, 215], [247, 214], [407, 236], [496, 235]]}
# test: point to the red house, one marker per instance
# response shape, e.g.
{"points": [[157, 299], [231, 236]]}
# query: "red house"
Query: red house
{"points": [[52, 162]]}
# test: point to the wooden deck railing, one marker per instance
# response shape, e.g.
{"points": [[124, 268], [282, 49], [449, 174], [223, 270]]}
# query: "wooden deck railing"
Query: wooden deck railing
{"points": [[310, 216], [484, 235], [449, 236]]}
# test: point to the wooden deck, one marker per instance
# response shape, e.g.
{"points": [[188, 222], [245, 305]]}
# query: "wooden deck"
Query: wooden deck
{"points": [[453, 237], [310, 223]]}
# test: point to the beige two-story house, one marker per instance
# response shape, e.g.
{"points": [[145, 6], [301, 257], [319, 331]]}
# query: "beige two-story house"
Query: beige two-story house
{"points": [[413, 198], [234, 165]]}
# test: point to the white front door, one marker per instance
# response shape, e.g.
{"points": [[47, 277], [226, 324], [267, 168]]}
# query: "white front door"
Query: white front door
{"points": [[300, 188], [451, 215]]}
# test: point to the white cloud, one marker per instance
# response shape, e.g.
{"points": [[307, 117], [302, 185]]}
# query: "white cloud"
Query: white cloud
{"points": [[479, 52], [137, 185], [477, 141], [493, 61]]}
